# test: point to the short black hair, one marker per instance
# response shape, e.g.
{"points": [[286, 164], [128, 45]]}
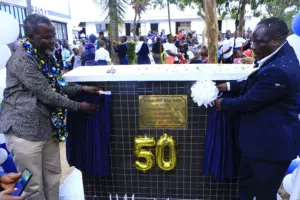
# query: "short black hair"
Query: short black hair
{"points": [[169, 35], [142, 38], [276, 26], [190, 35], [32, 21], [125, 38], [101, 33]]}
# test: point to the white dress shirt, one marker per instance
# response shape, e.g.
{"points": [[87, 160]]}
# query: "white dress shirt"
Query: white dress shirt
{"points": [[239, 41], [260, 62], [102, 54]]}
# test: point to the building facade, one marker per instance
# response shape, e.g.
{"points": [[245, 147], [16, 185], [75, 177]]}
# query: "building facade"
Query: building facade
{"points": [[152, 20], [57, 10]]}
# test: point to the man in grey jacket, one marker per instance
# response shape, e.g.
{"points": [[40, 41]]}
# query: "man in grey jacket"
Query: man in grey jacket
{"points": [[29, 101]]}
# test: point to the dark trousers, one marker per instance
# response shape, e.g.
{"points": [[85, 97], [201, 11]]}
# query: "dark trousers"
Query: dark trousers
{"points": [[228, 60], [260, 179], [124, 61], [157, 58], [90, 63], [101, 62]]}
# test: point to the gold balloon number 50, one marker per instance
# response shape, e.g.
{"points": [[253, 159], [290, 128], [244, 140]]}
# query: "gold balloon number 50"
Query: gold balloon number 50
{"points": [[162, 143]]}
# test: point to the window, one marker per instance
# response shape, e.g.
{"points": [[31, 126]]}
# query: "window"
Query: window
{"points": [[186, 26], [19, 14], [61, 30], [98, 28]]}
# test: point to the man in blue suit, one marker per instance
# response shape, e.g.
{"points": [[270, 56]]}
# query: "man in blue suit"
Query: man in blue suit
{"points": [[267, 105]]}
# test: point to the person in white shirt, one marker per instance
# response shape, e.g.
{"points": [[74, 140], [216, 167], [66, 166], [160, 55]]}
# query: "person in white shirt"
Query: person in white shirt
{"points": [[227, 53], [238, 42], [171, 50], [102, 55]]}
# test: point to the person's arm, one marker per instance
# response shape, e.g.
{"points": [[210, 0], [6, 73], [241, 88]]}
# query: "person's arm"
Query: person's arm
{"points": [[228, 50], [245, 43], [27, 72], [147, 49], [196, 57], [271, 85], [72, 89], [97, 55], [63, 56], [116, 48], [107, 58]]}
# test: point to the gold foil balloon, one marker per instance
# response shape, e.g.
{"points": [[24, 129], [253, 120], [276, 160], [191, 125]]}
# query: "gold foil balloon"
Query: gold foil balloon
{"points": [[148, 156], [162, 143]]}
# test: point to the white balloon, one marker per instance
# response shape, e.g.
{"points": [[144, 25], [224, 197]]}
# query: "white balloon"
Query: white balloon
{"points": [[2, 83], [9, 28], [287, 183], [5, 54], [294, 174], [294, 41], [3, 156]]}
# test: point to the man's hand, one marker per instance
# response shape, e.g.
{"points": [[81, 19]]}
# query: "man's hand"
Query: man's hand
{"points": [[5, 195], [91, 89], [9, 180], [88, 108], [222, 87], [218, 104]]}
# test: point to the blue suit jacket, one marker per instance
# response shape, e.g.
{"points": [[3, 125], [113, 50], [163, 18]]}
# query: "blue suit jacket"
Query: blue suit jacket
{"points": [[269, 124]]}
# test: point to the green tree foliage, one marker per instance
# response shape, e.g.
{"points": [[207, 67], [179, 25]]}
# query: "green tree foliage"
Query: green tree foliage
{"points": [[285, 9], [139, 7], [131, 53], [116, 10]]}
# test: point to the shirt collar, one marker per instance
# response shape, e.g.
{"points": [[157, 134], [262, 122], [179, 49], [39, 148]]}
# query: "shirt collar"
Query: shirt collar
{"points": [[265, 59]]}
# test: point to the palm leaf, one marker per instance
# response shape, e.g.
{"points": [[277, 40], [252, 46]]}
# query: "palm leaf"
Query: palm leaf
{"points": [[120, 7]]}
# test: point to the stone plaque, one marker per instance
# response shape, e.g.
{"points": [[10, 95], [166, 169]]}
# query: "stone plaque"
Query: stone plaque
{"points": [[163, 111]]}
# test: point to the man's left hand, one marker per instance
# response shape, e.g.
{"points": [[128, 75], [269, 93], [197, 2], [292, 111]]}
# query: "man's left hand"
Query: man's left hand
{"points": [[91, 89], [218, 104], [9, 180]]}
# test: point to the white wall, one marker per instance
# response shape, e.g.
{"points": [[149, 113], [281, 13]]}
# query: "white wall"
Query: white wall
{"points": [[59, 6], [90, 28], [15, 2], [197, 25]]}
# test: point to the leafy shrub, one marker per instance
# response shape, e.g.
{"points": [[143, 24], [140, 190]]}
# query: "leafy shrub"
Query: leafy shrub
{"points": [[132, 59]]}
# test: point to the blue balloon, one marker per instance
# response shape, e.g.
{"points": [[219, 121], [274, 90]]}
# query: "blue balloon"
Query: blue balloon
{"points": [[294, 164], [296, 24]]}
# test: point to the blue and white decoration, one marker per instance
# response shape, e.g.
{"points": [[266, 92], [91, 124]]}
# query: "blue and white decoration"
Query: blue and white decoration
{"points": [[6, 37], [296, 24]]}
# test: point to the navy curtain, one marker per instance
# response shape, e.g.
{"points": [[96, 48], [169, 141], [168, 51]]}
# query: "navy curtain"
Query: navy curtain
{"points": [[221, 154], [88, 141]]}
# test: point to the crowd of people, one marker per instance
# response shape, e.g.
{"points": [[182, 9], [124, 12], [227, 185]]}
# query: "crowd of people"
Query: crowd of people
{"points": [[183, 48]]}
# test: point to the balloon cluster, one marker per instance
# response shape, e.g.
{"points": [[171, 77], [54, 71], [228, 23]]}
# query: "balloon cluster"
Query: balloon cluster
{"points": [[9, 34], [6, 159], [10, 27], [290, 178], [296, 24]]}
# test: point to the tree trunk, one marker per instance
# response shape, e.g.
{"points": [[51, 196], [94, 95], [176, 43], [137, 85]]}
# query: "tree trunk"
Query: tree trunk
{"points": [[210, 7], [134, 25], [169, 16], [204, 33], [29, 7], [242, 16], [113, 27]]}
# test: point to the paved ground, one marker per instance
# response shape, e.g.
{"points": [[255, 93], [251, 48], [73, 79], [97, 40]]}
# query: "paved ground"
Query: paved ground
{"points": [[66, 170]]}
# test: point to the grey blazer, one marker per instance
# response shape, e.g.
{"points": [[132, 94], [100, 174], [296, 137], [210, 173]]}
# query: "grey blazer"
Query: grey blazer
{"points": [[29, 100]]}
